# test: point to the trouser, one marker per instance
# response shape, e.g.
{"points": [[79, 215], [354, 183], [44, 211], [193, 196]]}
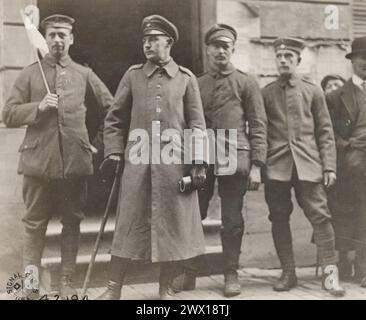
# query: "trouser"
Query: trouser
{"points": [[312, 199], [231, 191], [43, 199], [348, 208], [360, 221]]}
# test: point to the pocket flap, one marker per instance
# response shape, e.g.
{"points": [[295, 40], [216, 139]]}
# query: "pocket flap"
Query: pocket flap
{"points": [[26, 145], [247, 148]]}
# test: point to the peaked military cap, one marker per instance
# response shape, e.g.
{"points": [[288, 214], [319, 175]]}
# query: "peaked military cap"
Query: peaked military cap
{"points": [[220, 32], [292, 44], [156, 24], [57, 21], [358, 46]]}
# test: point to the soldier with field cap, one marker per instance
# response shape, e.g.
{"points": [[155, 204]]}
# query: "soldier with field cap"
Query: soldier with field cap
{"points": [[56, 154], [231, 100], [155, 221], [301, 156]]}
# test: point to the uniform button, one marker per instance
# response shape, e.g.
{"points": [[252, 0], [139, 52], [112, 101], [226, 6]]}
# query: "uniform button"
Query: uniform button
{"points": [[158, 110], [158, 97], [160, 75], [158, 134], [158, 86]]}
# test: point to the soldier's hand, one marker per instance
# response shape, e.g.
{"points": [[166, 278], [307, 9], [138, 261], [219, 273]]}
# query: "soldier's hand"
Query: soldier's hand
{"points": [[49, 102], [109, 166], [198, 174], [329, 179], [254, 179]]}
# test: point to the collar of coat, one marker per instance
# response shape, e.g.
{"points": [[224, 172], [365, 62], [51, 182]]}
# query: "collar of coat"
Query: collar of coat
{"points": [[216, 73], [292, 80], [171, 68], [52, 61]]}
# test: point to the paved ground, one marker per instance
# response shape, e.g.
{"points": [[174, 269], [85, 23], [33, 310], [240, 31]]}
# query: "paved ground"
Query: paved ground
{"points": [[256, 285]]}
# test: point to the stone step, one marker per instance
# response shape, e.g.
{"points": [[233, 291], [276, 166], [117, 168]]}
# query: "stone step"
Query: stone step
{"points": [[139, 272], [92, 225], [90, 228]]}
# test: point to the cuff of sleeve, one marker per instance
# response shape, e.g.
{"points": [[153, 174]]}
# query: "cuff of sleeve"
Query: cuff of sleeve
{"points": [[341, 143], [35, 115], [109, 152], [330, 169], [258, 163], [258, 158], [200, 162]]}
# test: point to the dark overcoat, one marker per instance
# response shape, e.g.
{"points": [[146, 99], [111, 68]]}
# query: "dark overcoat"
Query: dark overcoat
{"points": [[346, 199]]}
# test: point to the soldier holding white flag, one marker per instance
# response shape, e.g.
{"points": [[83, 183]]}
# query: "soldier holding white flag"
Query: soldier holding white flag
{"points": [[56, 155]]}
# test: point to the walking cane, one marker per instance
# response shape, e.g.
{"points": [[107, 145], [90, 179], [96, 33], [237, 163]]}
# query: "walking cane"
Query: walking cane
{"points": [[102, 227]]}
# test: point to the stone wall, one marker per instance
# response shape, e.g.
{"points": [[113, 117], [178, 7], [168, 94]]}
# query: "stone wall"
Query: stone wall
{"points": [[259, 22], [11, 204], [15, 50]]}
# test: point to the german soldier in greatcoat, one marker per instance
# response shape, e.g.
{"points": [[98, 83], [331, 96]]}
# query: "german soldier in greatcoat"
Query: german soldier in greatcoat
{"points": [[155, 221]]}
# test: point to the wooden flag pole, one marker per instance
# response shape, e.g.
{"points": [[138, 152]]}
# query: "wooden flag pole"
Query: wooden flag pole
{"points": [[42, 72]]}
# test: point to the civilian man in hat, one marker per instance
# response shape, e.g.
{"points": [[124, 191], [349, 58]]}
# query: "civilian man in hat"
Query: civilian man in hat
{"points": [[301, 155], [155, 221], [347, 107], [56, 155], [231, 100]]}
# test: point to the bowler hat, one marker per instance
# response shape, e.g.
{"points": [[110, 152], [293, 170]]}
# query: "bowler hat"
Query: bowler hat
{"points": [[358, 46]]}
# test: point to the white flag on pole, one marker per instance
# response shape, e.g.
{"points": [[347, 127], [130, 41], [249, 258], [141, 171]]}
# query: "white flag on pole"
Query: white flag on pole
{"points": [[35, 37]]}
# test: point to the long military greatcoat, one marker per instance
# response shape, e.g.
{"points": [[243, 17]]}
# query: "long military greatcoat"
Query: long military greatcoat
{"points": [[155, 221], [56, 144]]}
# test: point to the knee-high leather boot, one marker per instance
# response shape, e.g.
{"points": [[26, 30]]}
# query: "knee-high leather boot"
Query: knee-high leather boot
{"points": [[33, 246], [70, 237], [117, 271], [282, 240]]}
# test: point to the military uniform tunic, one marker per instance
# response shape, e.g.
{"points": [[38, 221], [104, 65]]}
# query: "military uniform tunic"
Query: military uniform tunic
{"points": [[232, 100], [55, 156], [300, 131]]}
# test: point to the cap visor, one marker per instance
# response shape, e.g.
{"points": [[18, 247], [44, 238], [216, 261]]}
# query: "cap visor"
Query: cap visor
{"points": [[154, 33], [348, 55], [221, 39]]}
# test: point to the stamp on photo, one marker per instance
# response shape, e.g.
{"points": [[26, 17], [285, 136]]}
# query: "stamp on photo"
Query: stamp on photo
{"points": [[22, 286]]}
